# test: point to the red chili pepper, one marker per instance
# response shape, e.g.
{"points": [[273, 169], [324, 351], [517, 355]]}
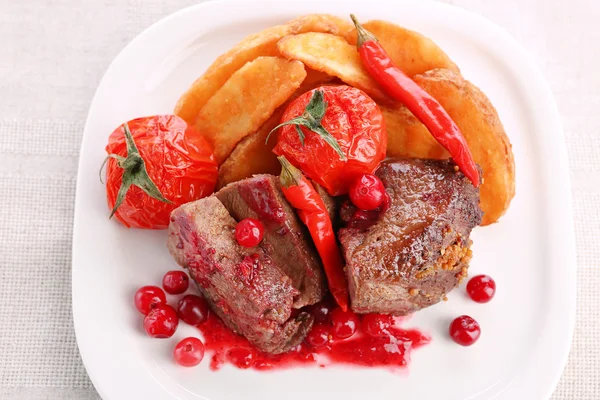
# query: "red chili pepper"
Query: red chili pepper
{"points": [[312, 211], [427, 110]]}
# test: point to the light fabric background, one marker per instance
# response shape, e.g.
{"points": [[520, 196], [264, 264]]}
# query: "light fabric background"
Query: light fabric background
{"points": [[52, 56]]}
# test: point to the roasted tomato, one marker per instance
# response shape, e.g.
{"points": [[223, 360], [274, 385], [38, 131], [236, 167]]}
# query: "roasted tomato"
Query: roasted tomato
{"points": [[156, 164], [334, 134]]}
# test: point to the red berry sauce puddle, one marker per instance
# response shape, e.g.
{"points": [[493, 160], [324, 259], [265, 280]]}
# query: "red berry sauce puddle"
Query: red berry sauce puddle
{"points": [[388, 347]]}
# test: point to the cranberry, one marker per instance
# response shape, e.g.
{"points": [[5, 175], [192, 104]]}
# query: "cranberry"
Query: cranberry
{"points": [[376, 325], [241, 357], [192, 309], [385, 204], [148, 297], [344, 323], [322, 311], [481, 288], [464, 330], [318, 336], [189, 352], [367, 192], [176, 282], [249, 232], [161, 322]]}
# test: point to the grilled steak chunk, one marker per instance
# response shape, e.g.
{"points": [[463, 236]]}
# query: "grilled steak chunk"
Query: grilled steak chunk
{"points": [[243, 286], [285, 237], [410, 255], [330, 202]]}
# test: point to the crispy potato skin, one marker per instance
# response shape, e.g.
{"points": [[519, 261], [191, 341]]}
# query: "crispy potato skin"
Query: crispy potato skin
{"points": [[243, 94], [333, 55], [252, 155], [407, 135], [479, 122], [247, 100], [412, 52], [263, 43]]}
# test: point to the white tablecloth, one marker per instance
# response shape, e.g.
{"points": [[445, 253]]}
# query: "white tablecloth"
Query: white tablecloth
{"points": [[52, 56]]}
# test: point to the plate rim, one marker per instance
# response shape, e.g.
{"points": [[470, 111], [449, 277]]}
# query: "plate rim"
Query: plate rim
{"points": [[557, 148]]}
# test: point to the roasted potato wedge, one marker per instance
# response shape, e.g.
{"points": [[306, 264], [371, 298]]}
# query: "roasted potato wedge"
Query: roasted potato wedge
{"points": [[252, 155], [333, 55], [412, 52], [325, 23], [260, 44], [406, 135], [313, 79], [479, 122], [247, 100]]}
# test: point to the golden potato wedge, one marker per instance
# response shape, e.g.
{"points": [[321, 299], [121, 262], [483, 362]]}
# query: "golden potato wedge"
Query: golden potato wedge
{"points": [[333, 55], [260, 44], [313, 79], [251, 155], [407, 136], [320, 23], [479, 122], [247, 100], [412, 52]]}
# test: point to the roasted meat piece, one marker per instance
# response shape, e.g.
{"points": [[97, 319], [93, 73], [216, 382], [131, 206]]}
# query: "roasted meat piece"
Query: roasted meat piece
{"points": [[413, 252], [286, 240], [245, 287]]}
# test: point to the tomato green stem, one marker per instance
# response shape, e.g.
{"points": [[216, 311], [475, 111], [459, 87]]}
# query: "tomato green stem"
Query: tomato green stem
{"points": [[134, 173], [311, 118]]}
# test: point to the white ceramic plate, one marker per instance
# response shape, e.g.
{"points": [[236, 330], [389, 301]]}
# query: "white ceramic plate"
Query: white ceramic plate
{"points": [[526, 329]]}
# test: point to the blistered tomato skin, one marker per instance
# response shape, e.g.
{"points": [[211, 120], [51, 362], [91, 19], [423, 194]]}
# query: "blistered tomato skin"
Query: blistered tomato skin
{"points": [[179, 161], [354, 120]]}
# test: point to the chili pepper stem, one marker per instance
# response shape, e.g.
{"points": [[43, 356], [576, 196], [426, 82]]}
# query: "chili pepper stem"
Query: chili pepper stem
{"points": [[363, 35], [424, 107], [311, 210], [290, 175]]}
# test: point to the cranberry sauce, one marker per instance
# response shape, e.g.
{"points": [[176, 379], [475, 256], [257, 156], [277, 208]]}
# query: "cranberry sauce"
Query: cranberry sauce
{"points": [[258, 197], [389, 346]]}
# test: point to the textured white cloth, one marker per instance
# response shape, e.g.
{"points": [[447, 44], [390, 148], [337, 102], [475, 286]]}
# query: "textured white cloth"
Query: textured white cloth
{"points": [[52, 56]]}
